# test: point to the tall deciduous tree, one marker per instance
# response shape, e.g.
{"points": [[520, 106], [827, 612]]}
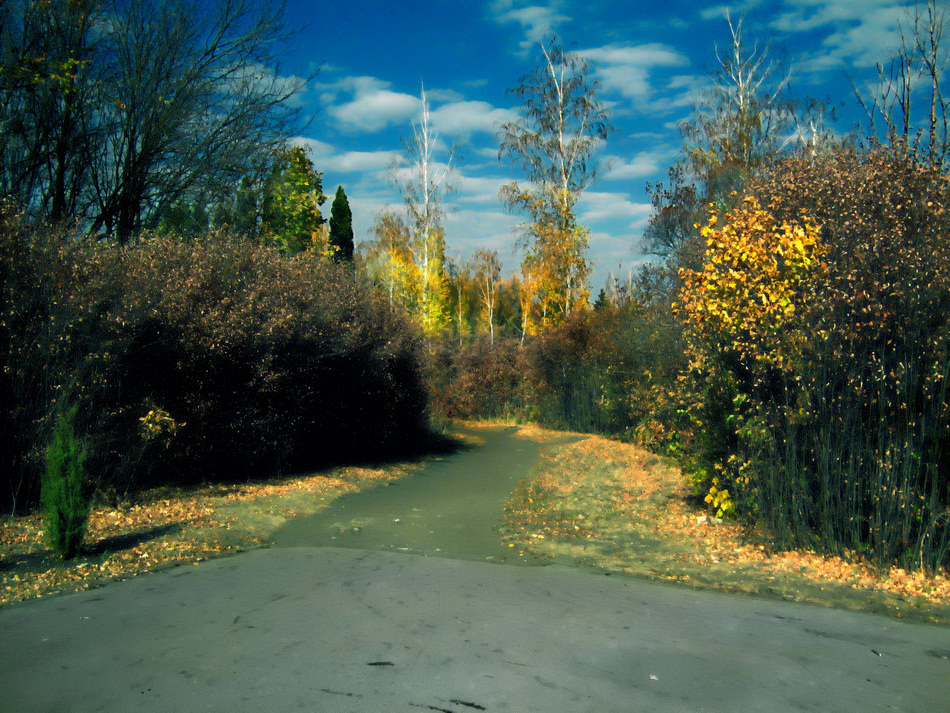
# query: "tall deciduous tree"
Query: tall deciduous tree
{"points": [[47, 81], [340, 244], [487, 271], [913, 74], [390, 263], [424, 183], [125, 108], [562, 125], [740, 123], [458, 279], [744, 118]]}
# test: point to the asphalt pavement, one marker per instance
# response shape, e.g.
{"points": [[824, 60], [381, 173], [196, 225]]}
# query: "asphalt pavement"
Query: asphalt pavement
{"points": [[331, 629]]}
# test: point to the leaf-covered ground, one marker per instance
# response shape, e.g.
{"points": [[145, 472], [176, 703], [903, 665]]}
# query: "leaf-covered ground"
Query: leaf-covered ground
{"points": [[594, 502], [168, 527], [611, 505]]}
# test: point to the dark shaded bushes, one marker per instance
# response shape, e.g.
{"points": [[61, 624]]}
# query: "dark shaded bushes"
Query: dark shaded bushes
{"points": [[195, 360], [480, 379], [860, 454]]}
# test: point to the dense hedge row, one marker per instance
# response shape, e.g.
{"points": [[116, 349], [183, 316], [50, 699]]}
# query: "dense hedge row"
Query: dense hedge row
{"points": [[194, 360], [819, 338]]}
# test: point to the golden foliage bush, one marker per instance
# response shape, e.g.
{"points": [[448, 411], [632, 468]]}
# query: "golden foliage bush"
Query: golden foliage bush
{"points": [[818, 331]]}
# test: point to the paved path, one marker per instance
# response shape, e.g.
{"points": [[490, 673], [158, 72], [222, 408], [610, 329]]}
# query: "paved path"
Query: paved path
{"points": [[453, 507], [322, 629]]}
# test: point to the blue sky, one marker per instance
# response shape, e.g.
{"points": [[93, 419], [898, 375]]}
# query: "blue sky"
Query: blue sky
{"points": [[651, 58]]}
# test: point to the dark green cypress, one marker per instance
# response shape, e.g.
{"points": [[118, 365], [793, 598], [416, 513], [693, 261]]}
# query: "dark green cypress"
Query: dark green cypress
{"points": [[341, 228]]}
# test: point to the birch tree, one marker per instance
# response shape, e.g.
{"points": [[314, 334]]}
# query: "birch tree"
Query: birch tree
{"points": [[458, 281], [486, 268], [745, 117], [423, 183], [562, 125], [742, 121], [390, 261]]}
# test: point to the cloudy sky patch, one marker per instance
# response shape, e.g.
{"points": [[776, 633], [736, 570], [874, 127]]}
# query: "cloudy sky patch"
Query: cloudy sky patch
{"points": [[651, 60]]}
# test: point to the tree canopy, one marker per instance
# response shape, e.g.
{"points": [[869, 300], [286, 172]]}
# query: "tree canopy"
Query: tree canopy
{"points": [[113, 111], [562, 125]]}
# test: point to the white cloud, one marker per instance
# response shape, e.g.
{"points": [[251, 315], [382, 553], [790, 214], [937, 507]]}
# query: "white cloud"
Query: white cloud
{"points": [[469, 230], [684, 81], [326, 158], [735, 9], [597, 206], [481, 189], [640, 166], [628, 69], [536, 20], [858, 34], [443, 95], [374, 106], [314, 147], [466, 117], [653, 54], [360, 161], [611, 253], [487, 151]]}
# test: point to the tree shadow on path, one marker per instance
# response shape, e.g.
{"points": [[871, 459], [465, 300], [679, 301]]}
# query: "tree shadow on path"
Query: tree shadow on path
{"points": [[41, 560]]}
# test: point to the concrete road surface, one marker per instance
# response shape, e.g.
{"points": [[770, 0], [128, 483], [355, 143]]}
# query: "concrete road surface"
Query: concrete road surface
{"points": [[321, 629]]}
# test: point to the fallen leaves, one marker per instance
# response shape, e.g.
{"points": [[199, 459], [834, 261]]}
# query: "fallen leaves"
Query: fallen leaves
{"points": [[618, 507], [168, 527]]}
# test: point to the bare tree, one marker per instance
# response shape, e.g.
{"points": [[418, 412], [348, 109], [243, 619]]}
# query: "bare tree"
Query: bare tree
{"points": [[458, 279], [563, 123], [46, 80], [913, 74], [144, 103], [744, 119]]}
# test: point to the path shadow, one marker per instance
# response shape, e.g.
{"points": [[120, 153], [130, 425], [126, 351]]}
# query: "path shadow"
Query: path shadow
{"points": [[31, 561], [41, 560], [117, 543]]}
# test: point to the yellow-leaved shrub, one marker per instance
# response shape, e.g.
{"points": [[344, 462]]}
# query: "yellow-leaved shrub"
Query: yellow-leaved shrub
{"points": [[743, 327]]}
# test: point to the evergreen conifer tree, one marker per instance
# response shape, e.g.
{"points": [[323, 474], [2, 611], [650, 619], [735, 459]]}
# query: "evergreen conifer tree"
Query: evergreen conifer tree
{"points": [[62, 494], [341, 228]]}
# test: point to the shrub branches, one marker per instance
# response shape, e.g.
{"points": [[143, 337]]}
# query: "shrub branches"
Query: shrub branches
{"points": [[263, 361], [822, 357]]}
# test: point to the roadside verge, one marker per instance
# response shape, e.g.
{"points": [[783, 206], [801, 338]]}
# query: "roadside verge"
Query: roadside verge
{"points": [[610, 505]]}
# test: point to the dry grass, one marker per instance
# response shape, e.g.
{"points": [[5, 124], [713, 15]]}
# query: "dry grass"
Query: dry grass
{"points": [[614, 506], [168, 527]]}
